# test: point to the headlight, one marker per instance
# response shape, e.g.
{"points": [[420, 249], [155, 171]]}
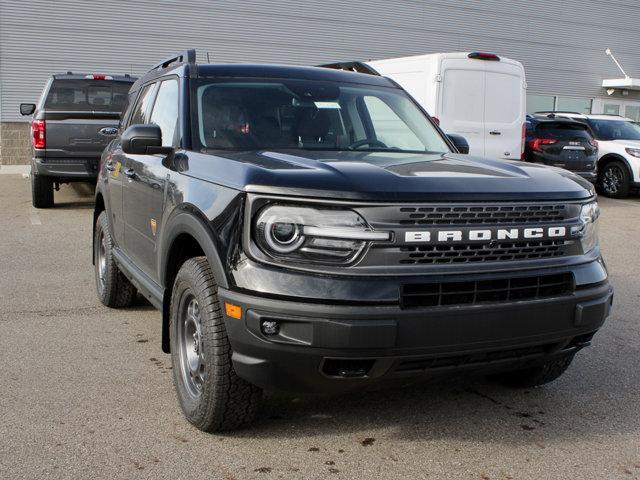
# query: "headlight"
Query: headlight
{"points": [[588, 228], [634, 152], [318, 235]]}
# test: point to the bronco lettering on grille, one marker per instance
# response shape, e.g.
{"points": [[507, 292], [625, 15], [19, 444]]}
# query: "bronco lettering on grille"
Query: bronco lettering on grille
{"points": [[485, 235]]}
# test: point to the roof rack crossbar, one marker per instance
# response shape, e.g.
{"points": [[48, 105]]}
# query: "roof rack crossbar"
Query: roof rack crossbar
{"points": [[188, 56], [359, 67]]}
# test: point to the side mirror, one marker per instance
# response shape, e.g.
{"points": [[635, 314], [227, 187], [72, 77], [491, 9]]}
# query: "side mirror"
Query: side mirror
{"points": [[27, 108], [459, 142], [143, 140]]}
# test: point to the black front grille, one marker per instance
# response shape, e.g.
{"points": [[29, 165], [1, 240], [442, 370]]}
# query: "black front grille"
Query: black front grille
{"points": [[422, 364], [466, 253], [486, 291], [482, 214]]}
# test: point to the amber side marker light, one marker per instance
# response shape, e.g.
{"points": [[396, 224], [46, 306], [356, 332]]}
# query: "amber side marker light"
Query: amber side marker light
{"points": [[233, 311]]}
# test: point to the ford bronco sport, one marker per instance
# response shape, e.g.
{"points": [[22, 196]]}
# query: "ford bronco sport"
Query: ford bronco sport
{"points": [[312, 230], [75, 118]]}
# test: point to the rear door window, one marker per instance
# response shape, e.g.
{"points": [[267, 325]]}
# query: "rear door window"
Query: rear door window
{"points": [[141, 110], [87, 95]]}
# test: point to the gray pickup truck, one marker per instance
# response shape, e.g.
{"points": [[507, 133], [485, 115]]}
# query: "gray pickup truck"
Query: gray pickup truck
{"points": [[76, 117]]}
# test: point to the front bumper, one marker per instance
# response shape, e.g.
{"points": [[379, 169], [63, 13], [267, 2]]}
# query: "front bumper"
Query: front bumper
{"points": [[333, 348], [67, 169]]}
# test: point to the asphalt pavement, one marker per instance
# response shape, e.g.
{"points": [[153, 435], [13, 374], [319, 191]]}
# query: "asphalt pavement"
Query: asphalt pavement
{"points": [[86, 392]]}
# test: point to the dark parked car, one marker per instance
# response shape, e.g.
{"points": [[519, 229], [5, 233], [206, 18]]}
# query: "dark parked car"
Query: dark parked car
{"points": [[312, 230], [564, 143], [75, 118]]}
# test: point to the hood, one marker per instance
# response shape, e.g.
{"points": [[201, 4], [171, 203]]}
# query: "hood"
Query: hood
{"points": [[386, 176], [628, 143]]}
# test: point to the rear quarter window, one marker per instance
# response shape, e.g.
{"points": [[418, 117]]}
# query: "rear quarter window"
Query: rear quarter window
{"points": [[87, 95]]}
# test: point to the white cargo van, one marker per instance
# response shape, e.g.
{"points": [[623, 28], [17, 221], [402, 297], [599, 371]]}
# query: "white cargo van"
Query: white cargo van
{"points": [[477, 95]]}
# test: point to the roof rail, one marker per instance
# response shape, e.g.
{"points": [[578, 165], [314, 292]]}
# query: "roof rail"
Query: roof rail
{"points": [[547, 112], [188, 56], [358, 67]]}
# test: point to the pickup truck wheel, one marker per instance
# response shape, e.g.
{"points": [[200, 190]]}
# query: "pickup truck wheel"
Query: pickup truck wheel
{"points": [[536, 376], [212, 396], [41, 191], [614, 180], [114, 289]]}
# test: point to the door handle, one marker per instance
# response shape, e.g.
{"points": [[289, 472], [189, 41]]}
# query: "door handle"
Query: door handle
{"points": [[130, 172], [495, 132]]}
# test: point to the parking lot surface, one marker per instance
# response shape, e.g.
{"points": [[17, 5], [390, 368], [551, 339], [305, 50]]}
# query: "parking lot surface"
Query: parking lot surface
{"points": [[86, 392]]}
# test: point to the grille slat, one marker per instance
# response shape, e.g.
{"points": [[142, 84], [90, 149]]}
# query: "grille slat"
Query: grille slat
{"points": [[482, 215], [486, 291], [465, 253], [422, 364]]}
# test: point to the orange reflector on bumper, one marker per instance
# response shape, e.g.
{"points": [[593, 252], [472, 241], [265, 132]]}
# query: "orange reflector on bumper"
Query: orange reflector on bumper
{"points": [[233, 311]]}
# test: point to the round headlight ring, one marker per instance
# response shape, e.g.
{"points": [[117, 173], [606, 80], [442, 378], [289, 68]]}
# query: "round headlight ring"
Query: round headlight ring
{"points": [[283, 235]]}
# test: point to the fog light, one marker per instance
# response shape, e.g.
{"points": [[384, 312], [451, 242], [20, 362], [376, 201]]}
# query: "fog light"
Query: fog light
{"points": [[269, 327]]}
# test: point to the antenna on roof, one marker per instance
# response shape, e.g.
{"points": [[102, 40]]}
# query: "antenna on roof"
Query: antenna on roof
{"points": [[608, 52], [208, 61]]}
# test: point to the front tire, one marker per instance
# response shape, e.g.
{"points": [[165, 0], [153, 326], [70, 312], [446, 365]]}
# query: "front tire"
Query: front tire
{"points": [[114, 289], [41, 191], [536, 376], [212, 396], [614, 180]]}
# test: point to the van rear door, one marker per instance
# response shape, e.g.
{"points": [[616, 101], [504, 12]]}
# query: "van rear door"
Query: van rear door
{"points": [[462, 108], [504, 111]]}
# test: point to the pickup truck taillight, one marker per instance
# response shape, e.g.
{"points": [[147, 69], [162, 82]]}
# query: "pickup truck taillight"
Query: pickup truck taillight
{"points": [[536, 143], [38, 133]]}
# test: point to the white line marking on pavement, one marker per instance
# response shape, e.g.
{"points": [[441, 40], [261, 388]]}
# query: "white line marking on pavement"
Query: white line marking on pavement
{"points": [[34, 217]]}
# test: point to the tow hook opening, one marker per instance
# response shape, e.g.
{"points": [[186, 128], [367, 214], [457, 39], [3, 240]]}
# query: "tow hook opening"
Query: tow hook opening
{"points": [[347, 368]]}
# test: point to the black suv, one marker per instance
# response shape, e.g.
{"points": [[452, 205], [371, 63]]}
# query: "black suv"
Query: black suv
{"points": [[312, 230], [76, 117], [561, 142]]}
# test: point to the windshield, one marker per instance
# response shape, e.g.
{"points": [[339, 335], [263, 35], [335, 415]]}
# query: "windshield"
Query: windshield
{"points": [[300, 114], [87, 95], [615, 130]]}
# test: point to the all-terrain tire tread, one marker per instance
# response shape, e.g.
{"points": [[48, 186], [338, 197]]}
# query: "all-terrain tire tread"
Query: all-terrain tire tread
{"points": [[228, 401], [118, 292]]}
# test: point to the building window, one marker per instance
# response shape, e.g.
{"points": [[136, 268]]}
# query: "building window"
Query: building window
{"points": [[540, 103], [632, 112], [611, 109], [574, 104]]}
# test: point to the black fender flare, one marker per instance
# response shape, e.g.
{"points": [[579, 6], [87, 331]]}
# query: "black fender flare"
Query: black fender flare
{"points": [[185, 221]]}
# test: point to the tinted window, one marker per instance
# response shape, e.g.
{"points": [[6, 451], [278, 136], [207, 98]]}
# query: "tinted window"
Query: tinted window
{"points": [[302, 114], [141, 110], [563, 131], [615, 130], [165, 111], [87, 95]]}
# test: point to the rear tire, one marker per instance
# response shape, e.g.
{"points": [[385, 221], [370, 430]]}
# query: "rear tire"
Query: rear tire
{"points": [[536, 376], [212, 396], [614, 180], [41, 191], [114, 289]]}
